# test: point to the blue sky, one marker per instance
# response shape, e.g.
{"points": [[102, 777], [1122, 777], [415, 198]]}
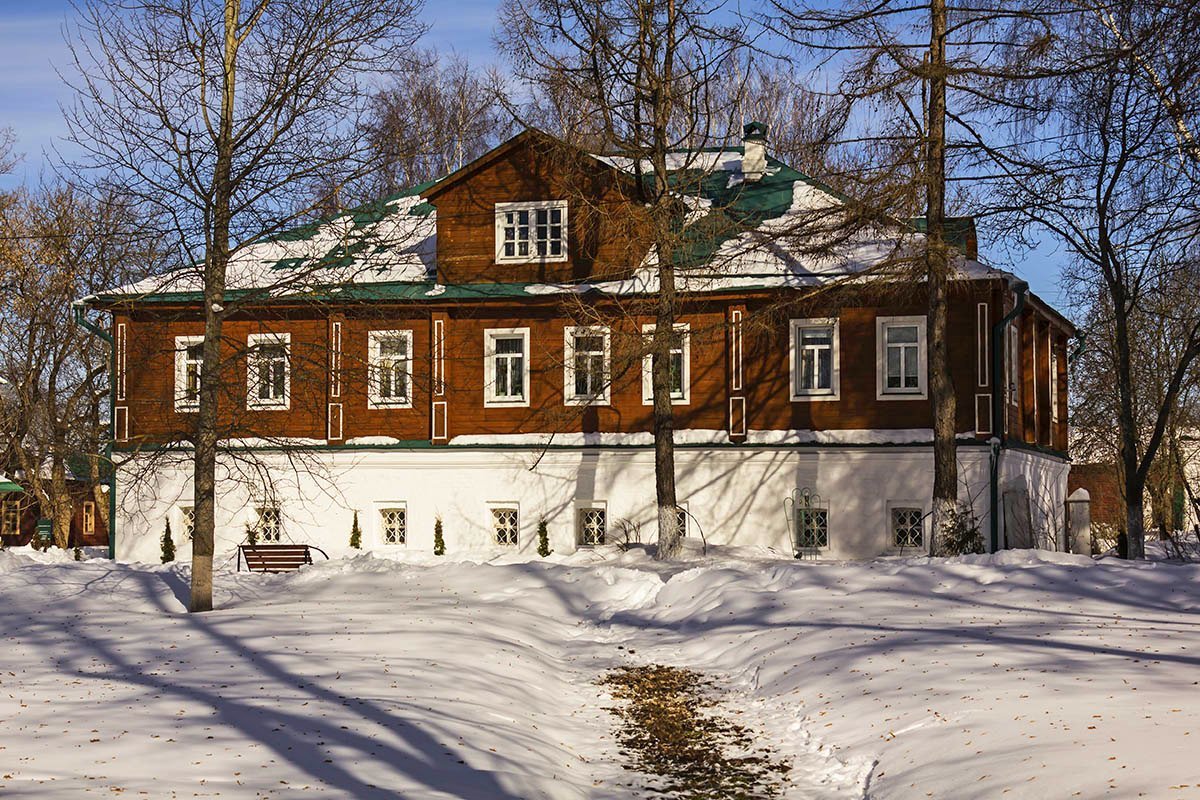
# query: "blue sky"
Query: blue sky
{"points": [[32, 91]]}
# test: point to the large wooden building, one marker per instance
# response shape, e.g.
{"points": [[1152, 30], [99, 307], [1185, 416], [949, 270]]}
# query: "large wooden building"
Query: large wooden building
{"points": [[473, 350]]}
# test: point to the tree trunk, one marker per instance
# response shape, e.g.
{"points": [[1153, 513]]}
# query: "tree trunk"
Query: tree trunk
{"points": [[941, 384], [62, 507], [664, 415], [216, 260]]}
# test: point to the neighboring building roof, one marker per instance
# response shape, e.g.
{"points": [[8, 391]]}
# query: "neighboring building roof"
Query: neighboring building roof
{"points": [[737, 235]]}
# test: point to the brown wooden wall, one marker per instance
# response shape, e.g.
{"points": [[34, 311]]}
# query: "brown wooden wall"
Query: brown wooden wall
{"points": [[751, 373], [605, 232]]}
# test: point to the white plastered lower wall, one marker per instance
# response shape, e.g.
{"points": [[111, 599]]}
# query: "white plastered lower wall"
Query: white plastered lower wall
{"points": [[735, 495]]}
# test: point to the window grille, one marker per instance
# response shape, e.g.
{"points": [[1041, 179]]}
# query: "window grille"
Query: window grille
{"points": [[907, 527], [270, 524], [187, 515], [504, 525], [809, 519], [592, 526], [394, 525]]}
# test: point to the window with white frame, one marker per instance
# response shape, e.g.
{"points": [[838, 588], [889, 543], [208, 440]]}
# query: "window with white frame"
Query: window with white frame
{"points": [[10, 517], [679, 364], [586, 356], [591, 525], [269, 525], [187, 519], [506, 364], [189, 356], [531, 232], [1014, 364], [268, 372], [390, 369], [505, 524], [901, 357], [814, 359], [907, 527], [89, 518], [393, 525]]}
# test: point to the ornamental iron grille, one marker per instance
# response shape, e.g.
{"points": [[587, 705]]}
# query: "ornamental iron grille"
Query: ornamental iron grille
{"points": [[270, 524], [907, 528], [504, 524], [809, 520], [592, 525], [395, 525], [187, 515]]}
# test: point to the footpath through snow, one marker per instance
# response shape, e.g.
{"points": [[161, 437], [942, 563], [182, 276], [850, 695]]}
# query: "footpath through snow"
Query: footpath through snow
{"points": [[1027, 674]]}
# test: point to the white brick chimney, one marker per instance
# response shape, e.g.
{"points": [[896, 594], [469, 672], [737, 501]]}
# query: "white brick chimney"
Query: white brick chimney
{"points": [[754, 151]]}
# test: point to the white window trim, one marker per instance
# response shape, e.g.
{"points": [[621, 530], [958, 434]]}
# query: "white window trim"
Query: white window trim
{"points": [[253, 402], [533, 258], [569, 396], [889, 533], [1014, 364], [88, 518], [815, 395], [391, 505], [881, 390], [648, 366], [490, 335], [587, 505], [1054, 403], [182, 343], [505, 505], [374, 400]]}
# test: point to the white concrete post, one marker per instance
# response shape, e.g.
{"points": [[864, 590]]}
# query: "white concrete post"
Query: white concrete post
{"points": [[1079, 520]]}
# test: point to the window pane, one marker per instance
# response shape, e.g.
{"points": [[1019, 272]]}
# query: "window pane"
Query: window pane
{"points": [[910, 367], [825, 369], [893, 367], [517, 379], [510, 345], [902, 334], [676, 373]]}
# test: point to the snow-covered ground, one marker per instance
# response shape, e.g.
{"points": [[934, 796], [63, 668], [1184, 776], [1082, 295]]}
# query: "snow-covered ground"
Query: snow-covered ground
{"points": [[1027, 674]]}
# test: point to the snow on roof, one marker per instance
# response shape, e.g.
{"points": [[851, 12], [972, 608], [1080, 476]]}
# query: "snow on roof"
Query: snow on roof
{"points": [[779, 231]]}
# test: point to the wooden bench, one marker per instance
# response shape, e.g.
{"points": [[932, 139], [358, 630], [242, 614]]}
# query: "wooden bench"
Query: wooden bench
{"points": [[276, 557]]}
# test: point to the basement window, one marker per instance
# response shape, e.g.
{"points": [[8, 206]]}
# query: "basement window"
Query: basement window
{"points": [[393, 526], [269, 525], [505, 525], [591, 525]]}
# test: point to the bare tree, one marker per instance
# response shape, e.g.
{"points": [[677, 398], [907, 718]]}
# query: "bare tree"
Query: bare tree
{"points": [[220, 114], [62, 245], [645, 69], [1116, 182], [431, 120], [910, 72]]}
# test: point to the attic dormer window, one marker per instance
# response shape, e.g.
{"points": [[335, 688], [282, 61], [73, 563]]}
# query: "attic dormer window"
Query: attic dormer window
{"points": [[531, 232]]}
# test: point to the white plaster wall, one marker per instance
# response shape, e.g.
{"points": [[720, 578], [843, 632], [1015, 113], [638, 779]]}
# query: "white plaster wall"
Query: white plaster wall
{"points": [[736, 495], [1045, 478]]}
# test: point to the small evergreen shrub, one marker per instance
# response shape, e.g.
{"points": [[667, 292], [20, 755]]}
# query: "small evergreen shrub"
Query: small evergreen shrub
{"points": [[439, 544], [543, 540], [963, 537], [78, 553], [356, 534], [168, 545]]}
